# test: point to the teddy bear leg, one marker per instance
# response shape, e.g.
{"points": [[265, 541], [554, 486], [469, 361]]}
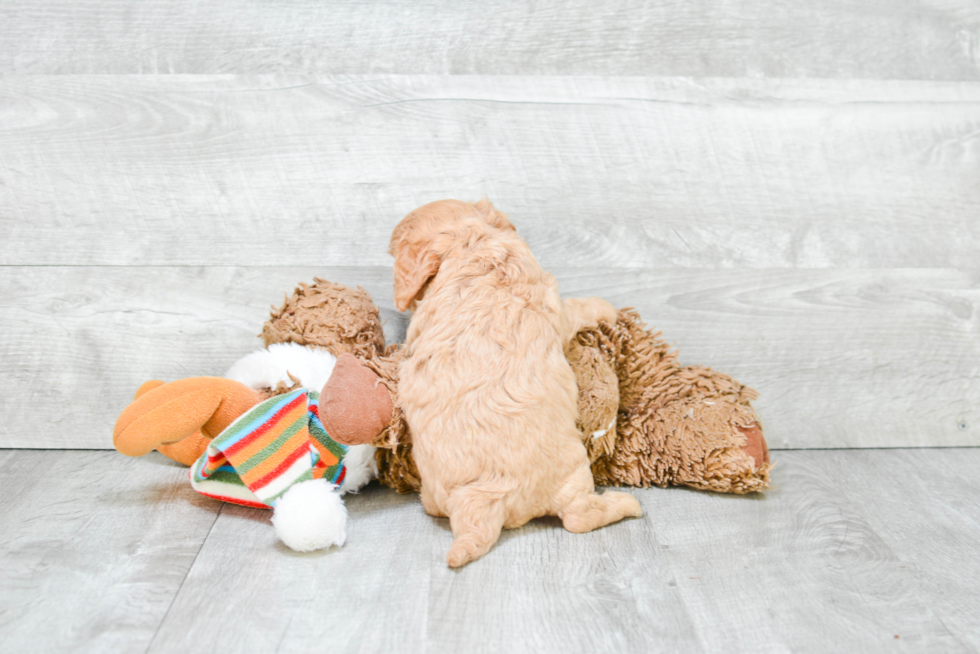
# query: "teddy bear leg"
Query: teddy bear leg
{"points": [[730, 465], [755, 444], [712, 445]]}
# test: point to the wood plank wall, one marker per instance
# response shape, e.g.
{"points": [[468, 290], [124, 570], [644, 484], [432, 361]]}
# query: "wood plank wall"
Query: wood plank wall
{"points": [[789, 190]]}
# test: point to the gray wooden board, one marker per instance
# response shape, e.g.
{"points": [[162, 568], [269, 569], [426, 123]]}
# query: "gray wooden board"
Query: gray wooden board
{"points": [[259, 596], [93, 548], [942, 551], [612, 591], [786, 38], [623, 172], [842, 358], [389, 589], [851, 551], [803, 568]]}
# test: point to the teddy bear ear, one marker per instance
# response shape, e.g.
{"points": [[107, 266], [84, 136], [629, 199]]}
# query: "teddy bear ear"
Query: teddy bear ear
{"points": [[493, 217]]}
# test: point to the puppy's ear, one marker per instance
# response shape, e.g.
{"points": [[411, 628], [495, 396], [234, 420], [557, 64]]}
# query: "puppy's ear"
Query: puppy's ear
{"points": [[415, 265], [493, 217]]}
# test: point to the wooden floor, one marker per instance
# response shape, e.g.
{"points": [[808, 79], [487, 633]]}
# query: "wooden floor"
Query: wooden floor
{"points": [[860, 550], [786, 188]]}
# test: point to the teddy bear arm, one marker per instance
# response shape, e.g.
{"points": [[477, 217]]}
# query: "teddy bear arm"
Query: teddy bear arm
{"points": [[598, 399]]}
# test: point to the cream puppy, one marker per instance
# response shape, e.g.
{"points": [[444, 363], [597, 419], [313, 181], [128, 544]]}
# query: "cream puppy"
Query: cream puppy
{"points": [[485, 386]]}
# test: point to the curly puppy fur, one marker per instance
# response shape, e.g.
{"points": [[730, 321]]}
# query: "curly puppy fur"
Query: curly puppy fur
{"points": [[485, 385]]}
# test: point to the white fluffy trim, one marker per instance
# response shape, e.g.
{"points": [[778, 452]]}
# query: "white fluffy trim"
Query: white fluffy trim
{"points": [[266, 368], [311, 516], [361, 468]]}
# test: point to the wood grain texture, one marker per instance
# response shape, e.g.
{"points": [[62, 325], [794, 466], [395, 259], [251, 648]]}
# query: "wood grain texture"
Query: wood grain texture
{"points": [[369, 596], [612, 591], [94, 546], [851, 551], [940, 551], [802, 569], [87, 337], [907, 39], [842, 358], [618, 172], [543, 592]]}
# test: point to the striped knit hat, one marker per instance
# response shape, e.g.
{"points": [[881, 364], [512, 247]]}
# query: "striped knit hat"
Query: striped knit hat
{"points": [[269, 449]]}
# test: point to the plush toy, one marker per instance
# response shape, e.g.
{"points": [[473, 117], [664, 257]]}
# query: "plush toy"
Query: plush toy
{"points": [[323, 395], [646, 419], [287, 428]]}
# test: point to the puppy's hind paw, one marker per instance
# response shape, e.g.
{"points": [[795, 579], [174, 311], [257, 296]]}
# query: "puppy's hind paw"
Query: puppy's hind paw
{"points": [[630, 506]]}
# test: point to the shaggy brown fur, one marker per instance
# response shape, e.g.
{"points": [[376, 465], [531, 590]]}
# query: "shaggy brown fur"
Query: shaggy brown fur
{"points": [[667, 429], [676, 424], [330, 316]]}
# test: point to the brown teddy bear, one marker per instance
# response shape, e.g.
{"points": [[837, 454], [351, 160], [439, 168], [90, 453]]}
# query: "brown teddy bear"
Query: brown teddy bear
{"points": [[315, 415], [646, 419]]}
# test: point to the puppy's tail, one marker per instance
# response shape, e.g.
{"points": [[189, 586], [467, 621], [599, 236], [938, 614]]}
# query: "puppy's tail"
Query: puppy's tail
{"points": [[476, 518]]}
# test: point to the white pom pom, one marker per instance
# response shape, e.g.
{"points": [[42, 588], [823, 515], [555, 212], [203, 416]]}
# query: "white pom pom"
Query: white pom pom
{"points": [[311, 516]]}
